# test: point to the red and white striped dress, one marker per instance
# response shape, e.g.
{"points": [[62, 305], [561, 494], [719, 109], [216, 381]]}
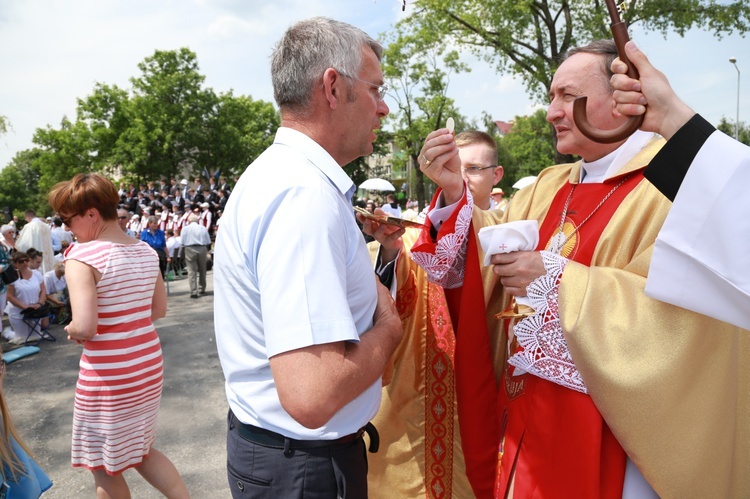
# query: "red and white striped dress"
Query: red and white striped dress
{"points": [[120, 378]]}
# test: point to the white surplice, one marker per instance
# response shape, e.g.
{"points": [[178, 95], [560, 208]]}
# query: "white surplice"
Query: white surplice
{"points": [[700, 259]]}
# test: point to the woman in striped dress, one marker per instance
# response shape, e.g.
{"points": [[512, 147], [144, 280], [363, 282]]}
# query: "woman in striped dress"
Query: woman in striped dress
{"points": [[116, 291]]}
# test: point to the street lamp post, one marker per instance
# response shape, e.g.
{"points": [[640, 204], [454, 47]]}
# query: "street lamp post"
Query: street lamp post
{"points": [[737, 122]]}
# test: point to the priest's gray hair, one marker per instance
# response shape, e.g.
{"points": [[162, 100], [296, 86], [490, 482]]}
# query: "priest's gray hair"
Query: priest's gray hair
{"points": [[193, 218], [607, 49], [307, 49]]}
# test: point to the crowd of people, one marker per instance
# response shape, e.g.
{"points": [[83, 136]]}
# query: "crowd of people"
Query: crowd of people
{"points": [[172, 202], [34, 285], [514, 346], [155, 214]]}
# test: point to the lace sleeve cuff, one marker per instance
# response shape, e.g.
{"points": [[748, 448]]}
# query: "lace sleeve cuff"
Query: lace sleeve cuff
{"points": [[544, 351], [444, 260]]}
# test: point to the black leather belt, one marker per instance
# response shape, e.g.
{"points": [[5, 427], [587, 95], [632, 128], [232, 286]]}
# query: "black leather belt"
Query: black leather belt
{"points": [[270, 438]]}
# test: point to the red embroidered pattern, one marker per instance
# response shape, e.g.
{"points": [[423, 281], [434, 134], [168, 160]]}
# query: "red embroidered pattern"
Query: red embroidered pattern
{"points": [[439, 396], [406, 297]]}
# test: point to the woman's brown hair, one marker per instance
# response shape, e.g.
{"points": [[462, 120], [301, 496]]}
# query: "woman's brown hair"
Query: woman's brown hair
{"points": [[19, 255], [84, 191]]}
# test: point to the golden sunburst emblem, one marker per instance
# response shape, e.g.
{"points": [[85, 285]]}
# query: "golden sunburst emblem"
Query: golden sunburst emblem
{"points": [[563, 242]]}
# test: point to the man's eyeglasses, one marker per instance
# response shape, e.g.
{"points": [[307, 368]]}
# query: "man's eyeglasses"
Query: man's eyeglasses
{"points": [[382, 89], [122, 218], [476, 170]]}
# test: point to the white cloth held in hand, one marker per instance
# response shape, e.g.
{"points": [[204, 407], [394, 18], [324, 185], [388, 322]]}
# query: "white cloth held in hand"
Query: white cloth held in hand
{"points": [[521, 235]]}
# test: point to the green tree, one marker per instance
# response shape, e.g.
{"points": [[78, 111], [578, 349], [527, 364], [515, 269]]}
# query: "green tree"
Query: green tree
{"points": [[169, 109], [63, 153], [108, 114], [528, 146], [19, 183], [168, 123], [527, 37], [4, 125], [237, 130], [728, 127], [417, 67]]}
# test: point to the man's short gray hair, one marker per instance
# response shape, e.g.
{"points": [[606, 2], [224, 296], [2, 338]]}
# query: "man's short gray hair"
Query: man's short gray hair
{"points": [[310, 47], [193, 218]]}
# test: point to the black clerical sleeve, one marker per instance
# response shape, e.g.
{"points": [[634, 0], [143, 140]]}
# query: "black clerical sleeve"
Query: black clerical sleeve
{"points": [[386, 272], [669, 167]]}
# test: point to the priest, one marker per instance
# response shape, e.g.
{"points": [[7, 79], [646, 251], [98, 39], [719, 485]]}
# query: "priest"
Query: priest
{"points": [[603, 391], [420, 444], [38, 235]]}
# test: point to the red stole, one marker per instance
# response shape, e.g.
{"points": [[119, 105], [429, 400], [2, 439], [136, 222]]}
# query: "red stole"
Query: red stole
{"points": [[476, 390], [553, 438]]}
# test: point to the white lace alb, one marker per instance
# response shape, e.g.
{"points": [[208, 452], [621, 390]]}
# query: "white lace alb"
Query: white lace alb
{"points": [[545, 352], [446, 266]]}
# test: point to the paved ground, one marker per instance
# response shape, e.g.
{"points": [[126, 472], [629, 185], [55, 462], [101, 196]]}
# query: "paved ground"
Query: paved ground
{"points": [[192, 419]]}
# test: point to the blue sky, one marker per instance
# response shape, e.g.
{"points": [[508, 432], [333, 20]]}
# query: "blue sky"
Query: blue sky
{"points": [[53, 51]]}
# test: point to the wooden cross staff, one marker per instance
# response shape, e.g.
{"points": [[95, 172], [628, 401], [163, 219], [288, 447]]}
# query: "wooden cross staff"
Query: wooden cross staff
{"points": [[620, 34]]}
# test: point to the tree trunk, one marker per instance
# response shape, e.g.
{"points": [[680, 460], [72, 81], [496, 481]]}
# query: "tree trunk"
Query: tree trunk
{"points": [[420, 186]]}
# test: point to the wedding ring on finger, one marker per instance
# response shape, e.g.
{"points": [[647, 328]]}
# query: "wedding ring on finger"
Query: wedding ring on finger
{"points": [[426, 161]]}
